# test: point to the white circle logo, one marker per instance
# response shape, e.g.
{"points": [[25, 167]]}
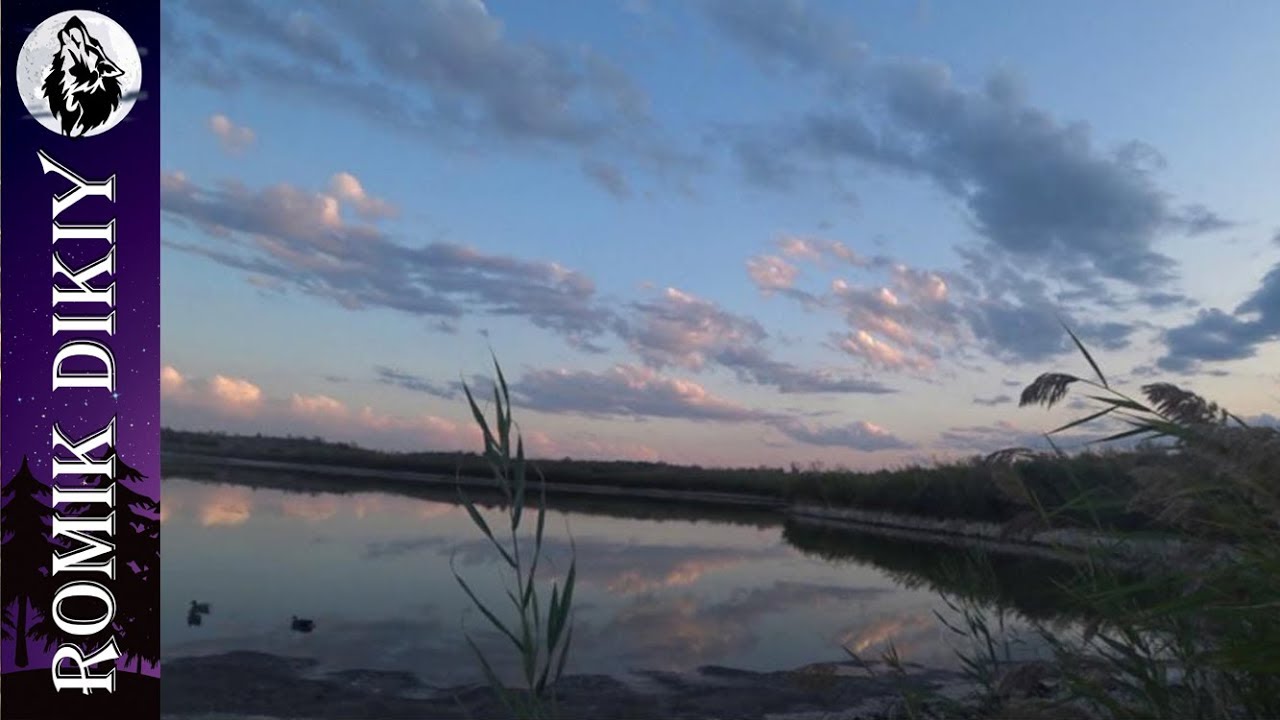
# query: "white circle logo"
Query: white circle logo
{"points": [[79, 73]]}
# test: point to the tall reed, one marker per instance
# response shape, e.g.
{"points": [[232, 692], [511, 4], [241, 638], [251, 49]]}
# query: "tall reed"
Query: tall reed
{"points": [[1211, 647], [541, 641]]}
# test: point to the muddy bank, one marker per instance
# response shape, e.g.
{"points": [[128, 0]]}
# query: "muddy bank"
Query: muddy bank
{"points": [[245, 685]]}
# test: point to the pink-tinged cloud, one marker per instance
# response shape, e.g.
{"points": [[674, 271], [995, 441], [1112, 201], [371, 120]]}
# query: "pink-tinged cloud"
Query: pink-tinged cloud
{"points": [[817, 250], [921, 286], [428, 430], [626, 391], [860, 435], [171, 381], [235, 393], [683, 330], [318, 406], [234, 138], [770, 273], [346, 187], [303, 241], [864, 345]]}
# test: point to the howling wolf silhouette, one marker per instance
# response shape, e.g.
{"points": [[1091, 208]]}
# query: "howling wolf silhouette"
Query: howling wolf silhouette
{"points": [[82, 86]]}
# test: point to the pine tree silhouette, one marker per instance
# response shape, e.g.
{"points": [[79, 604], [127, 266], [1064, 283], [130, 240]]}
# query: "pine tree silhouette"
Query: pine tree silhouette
{"points": [[137, 565], [27, 550]]}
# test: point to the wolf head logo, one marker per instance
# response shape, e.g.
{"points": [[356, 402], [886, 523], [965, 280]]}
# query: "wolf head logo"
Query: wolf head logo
{"points": [[83, 84]]}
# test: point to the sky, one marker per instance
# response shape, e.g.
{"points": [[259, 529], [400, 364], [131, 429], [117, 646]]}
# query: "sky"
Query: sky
{"points": [[721, 232]]}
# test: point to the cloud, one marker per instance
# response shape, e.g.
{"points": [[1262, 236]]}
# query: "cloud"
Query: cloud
{"points": [[1200, 220], [1013, 318], [1034, 187], [234, 138], [171, 381], [446, 71], [347, 188], [235, 393], [771, 273], [302, 240], [318, 406], [678, 329], [626, 391], [986, 439], [861, 435], [993, 401], [416, 383], [638, 392], [1215, 335], [607, 176], [786, 35], [238, 405]]}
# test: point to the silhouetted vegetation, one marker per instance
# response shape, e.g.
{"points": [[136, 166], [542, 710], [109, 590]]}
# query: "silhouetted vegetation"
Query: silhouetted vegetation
{"points": [[1199, 639], [969, 490]]}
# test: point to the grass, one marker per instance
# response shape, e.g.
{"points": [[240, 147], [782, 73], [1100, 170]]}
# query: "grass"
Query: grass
{"points": [[1181, 641], [541, 642]]}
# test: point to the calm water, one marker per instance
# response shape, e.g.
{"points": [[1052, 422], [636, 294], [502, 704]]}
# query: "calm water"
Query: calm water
{"points": [[373, 571]]}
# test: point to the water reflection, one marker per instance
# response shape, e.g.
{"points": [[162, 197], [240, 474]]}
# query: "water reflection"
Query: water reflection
{"points": [[665, 590]]}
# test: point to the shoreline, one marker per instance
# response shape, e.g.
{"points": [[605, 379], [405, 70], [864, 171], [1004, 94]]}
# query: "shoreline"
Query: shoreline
{"points": [[1067, 544]]}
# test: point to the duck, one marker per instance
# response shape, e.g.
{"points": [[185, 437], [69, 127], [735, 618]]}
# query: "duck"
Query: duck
{"points": [[194, 618], [303, 624], [199, 608]]}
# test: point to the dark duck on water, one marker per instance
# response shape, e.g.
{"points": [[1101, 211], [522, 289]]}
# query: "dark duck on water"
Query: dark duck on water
{"points": [[302, 624], [196, 613]]}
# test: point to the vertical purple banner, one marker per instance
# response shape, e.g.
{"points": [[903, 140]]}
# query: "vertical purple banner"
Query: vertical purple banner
{"points": [[80, 397]]}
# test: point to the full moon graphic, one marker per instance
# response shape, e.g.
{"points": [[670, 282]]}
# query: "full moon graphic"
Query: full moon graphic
{"points": [[79, 73]]}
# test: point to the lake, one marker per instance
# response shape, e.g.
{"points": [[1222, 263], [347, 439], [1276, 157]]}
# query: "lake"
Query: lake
{"points": [[658, 589]]}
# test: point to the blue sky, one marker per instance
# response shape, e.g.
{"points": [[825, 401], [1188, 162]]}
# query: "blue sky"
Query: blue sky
{"points": [[721, 232]]}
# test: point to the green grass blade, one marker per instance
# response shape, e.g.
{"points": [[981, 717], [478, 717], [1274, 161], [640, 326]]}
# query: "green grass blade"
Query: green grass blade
{"points": [[484, 609], [1101, 413], [479, 417], [1145, 429], [518, 479], [478, 519], [1097, 370], [492, 677], [564, 653]]}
